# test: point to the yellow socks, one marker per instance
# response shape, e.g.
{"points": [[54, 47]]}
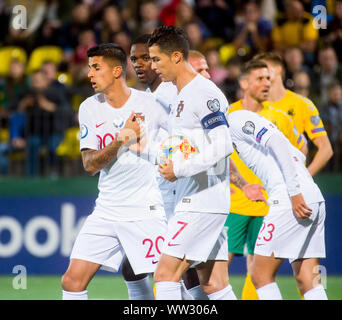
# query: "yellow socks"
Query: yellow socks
{"points": [[249, 291]]}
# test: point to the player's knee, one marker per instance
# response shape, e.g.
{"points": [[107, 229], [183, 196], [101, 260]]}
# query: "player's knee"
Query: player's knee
{"points": [[72, 284]]}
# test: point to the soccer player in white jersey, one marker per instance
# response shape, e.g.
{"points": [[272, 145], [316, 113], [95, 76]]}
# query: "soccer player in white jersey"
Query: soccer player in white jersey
{"points": [[128, 217], [294, 226], [196, 231]]}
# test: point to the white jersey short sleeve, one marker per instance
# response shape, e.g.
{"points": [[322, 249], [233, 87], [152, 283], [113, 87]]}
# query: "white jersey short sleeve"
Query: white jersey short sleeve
{"points": [[250, 134], [128, 190], [198, 113]]}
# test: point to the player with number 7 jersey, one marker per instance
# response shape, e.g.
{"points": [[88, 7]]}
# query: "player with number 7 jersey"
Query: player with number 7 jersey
{"points": [[294, 225]]}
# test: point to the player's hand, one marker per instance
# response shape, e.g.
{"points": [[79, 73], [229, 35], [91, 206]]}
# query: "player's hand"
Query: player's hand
{"points": [[299, 207], [253, 192], [232, 191], [132, 131], [167, 172]]}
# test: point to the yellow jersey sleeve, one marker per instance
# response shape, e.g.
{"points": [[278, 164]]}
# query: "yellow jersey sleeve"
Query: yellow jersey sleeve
{"points": [[285, 124], [312, 122]]}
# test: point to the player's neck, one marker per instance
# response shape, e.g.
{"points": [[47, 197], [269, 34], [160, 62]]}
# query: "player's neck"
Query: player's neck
{"points": [[249, 103], [155, 84], [118, 94], [277, 90], [185, 75]]}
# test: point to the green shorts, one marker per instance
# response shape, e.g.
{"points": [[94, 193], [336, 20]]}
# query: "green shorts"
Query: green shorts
{"points": [[242, 230]]}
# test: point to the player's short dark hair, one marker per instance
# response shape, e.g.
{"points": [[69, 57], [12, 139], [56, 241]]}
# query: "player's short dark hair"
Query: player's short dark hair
{"points": [[142, 39], [170, 39], [252, 65], [110, 51], [272, 57]]}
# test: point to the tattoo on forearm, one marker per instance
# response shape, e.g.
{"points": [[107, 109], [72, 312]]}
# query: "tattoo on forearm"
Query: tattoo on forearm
{"points": [[235, 177]]}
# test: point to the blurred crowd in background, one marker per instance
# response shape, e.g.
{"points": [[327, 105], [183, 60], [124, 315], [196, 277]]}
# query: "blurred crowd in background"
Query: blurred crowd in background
{"points": [[44, 66]]}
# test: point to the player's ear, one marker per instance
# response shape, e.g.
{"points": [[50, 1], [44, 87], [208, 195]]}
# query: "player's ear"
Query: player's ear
{"points": [[176, 57], [117, 71], [244, 84]]}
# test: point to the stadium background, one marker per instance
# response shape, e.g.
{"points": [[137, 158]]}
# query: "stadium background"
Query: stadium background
{"points": [[45, 194]]}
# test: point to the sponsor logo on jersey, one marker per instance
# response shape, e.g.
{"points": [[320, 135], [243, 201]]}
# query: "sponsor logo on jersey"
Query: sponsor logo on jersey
{"points": [[99, 124], [83, 131], [214, 120], [260, 134], [249, 127], [180, 108], [315, 120], [186, 200], [290, 112], [213, 105]]}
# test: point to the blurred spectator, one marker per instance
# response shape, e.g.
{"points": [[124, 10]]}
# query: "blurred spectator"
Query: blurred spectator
{"points": [[149, 17], [5, 16], [295, 28], [217, 72], [81, 20], [10, 87], [195, 37], [268, 9], [111, 24], [332, 118], [301, 83], [168, 12], [231, 86], [333, 33], [42, 117], [327, 70], [25, 35], [218, 16], [294, 61], [79, 66], [253, 34]]}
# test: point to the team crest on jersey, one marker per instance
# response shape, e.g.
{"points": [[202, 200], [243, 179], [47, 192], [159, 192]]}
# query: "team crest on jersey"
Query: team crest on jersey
{"points": [[315, 120], [249, 127], [118, 123], [213, 105], [180, 108], [290, 112], [83, 131], [140, 115]]}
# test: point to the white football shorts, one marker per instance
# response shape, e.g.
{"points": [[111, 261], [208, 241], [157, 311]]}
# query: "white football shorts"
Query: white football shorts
{"points": [[283, 234], [197, 236], [106, 242]]}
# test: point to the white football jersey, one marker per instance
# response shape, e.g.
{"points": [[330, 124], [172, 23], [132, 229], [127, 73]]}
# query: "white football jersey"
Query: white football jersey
{"points": [[128, 189], [250, 133], [165, 94], [198, 108]]}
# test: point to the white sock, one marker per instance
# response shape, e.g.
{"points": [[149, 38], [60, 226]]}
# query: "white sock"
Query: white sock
{"points": [[224, 294], [269, 291], [140, 289], [67, 295], [185, 292], [168, 290], [317, 293], [198, 293]]}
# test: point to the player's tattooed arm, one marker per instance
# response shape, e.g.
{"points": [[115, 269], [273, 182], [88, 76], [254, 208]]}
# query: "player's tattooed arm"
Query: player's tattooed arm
{"points": [[95, 160], [251, 191], [235, 177]]}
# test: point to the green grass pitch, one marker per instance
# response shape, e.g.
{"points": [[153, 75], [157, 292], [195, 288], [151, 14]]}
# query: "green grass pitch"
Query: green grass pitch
{"points": [[108, 287]]}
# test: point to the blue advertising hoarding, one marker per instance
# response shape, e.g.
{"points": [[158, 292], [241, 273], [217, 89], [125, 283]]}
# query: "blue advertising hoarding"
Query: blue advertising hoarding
{"points": [[38, 233]]}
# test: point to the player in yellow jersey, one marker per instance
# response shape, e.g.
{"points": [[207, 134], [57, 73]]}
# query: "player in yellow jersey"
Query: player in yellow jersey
{"points": [[246, 216], [301, 109]]}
